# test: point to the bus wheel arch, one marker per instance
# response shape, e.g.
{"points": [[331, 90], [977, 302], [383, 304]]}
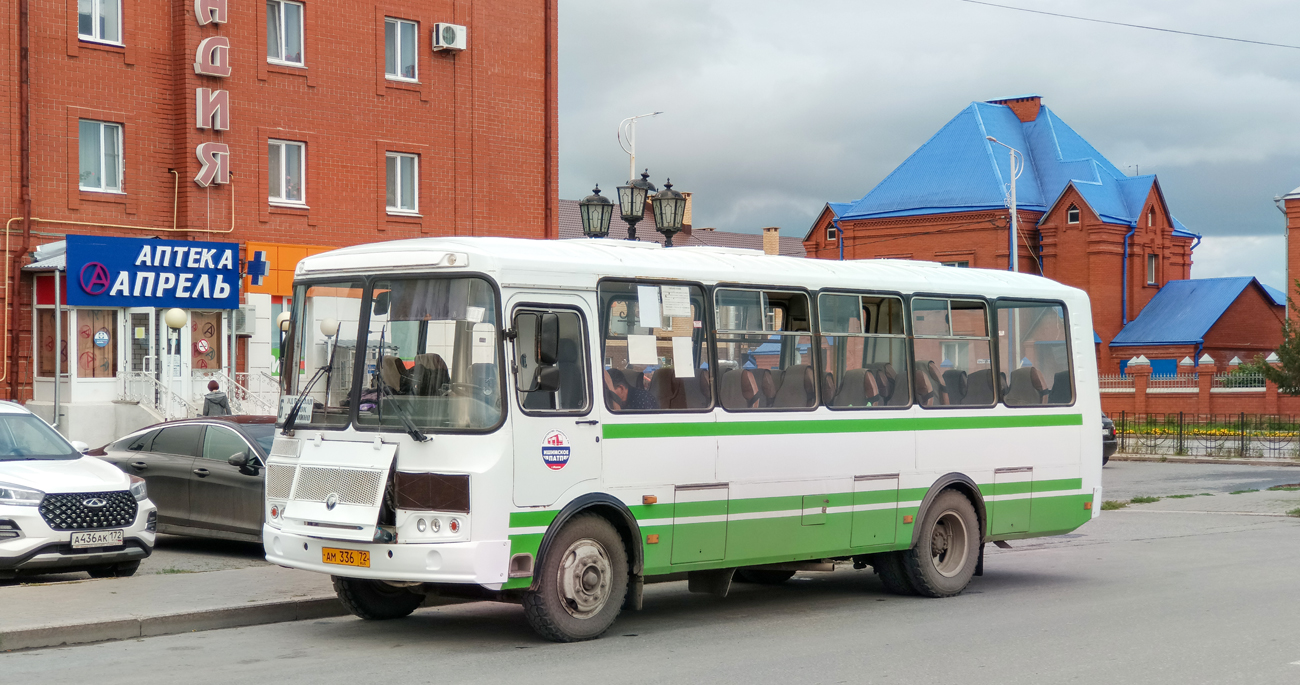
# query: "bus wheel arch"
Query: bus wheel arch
{"points": [[611, 509], [961, 483], [581, 583]]}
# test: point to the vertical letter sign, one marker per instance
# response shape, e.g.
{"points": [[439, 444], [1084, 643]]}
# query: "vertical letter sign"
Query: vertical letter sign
{"points": [[138, 272]]}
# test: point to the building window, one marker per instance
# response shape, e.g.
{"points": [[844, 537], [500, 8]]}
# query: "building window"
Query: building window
{"points": [[101, 156], [963, 264], [399, 49], [100, 20], [1072, 215], [284, 32], [46, 349], [403, 180], [1151, 269], [286, 166], [831, 234], [1151, 217]]}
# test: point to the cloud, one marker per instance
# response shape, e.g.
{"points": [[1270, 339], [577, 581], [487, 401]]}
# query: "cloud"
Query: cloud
{"points": [[774, 108]]}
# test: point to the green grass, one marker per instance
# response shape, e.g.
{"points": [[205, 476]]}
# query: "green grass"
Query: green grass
{"points": [[1242, 492], [1178, 496], [1294, 512], [170, 571], [1285, 488], [1113, 504], [1144, 499]]}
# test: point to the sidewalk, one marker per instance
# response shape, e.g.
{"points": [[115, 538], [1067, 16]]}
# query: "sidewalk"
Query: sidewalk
{"points": [[1123, 456], [70, 613]]}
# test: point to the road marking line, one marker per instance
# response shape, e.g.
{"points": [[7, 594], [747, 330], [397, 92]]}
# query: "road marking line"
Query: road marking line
{"points": [[1225, 513]]}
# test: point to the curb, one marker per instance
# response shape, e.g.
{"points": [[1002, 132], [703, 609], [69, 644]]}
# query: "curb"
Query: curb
{"points": [[171, 624], [1203, 460]]}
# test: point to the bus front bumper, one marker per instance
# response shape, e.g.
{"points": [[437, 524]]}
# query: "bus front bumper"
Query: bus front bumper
{"points": [[482, 562]]}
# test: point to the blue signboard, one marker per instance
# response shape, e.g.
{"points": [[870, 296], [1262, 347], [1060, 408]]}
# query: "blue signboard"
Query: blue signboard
{"points": [[139, 272]]}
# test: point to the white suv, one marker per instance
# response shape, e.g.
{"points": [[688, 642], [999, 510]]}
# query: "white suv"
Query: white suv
{"points": [[63, 511]]}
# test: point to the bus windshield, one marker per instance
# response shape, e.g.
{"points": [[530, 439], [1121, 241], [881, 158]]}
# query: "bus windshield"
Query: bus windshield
{"points": [[429, 355]]}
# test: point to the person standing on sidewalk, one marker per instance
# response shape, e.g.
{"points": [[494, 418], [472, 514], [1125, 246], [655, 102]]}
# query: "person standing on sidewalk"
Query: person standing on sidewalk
{"points": [[215, 402]]}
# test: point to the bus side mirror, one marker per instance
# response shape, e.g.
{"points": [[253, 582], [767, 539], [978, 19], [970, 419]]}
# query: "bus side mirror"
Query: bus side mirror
{"points": [[548, 379], [548, 339], [381, 303]]}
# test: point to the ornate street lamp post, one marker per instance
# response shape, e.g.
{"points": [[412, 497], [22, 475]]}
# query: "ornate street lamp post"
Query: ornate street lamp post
{"points": [[670, 210], [631, 201], [596, 212]]}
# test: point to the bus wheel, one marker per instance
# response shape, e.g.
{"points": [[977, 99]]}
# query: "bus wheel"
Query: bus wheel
{"points": [[374, 600], [763, 577], [582, 582], [944, 559], [889, 566]]}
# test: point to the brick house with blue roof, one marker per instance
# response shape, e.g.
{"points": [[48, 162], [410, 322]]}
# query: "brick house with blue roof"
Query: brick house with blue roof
{"points": [[1083, 222]]}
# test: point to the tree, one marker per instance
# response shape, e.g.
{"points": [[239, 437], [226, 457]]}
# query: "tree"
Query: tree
{"points": [[1286, 374]]}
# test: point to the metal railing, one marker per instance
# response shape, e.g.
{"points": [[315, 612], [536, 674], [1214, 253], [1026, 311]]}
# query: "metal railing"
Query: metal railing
{"points": [[1238, 381], [242, 400], [1256, 436], [142, 387], [1188, 382], [1115, 383]]}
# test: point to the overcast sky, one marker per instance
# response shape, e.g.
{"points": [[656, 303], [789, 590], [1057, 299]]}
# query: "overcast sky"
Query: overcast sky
{"points": [[772, 109]]}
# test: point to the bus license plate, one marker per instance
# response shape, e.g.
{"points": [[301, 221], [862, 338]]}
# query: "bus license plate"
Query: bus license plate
{"points": [[345, 557], [97, 538]]}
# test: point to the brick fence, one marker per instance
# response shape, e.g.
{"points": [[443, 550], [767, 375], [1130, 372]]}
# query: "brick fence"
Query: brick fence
{"points": [[1195, 393]]}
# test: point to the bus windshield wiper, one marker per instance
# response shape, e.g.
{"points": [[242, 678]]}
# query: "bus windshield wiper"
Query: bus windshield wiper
{"points": [[384, 391], [292, 417]]}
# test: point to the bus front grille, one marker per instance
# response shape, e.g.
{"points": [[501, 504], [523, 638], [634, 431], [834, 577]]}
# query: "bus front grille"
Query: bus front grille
{"points": [[279, 481], [353, 486]]}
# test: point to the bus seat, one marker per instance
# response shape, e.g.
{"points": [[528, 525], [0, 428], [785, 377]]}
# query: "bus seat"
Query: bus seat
{"points": [[857, 389], [1060, 393], [930, 370], [829, 388], [767, 380], [392, 373], [1003, 386], [667, 389], [955, 382], [979, 387], [1027, 386], [696, 390], [569, 362], [924, 389], [887, 381], [429, 376], [798, 387], [739, 388]]}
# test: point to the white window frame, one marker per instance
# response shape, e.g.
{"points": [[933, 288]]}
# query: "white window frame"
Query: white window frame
{"points": [[1151, 217], [397, 50], [831, 234], [1075, 211], [121, 162], [301, 34], [1152, 265], [280, 171], [96, 12], [959, 264], [399, 210]]}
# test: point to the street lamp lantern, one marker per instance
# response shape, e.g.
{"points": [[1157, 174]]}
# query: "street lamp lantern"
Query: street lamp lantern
{"points": [[670, 211], [596, 211], [631, 201]]}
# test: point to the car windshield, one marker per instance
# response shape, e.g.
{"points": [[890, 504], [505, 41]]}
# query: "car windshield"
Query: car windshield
{"points": [[25, 437], [261, 433]]}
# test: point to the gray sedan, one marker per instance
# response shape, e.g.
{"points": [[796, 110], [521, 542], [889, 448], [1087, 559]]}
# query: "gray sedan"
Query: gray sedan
{"points": [[205, 475]]}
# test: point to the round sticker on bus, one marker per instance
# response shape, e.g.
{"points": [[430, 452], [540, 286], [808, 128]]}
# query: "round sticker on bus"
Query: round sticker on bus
{"points": [[555, 450]]}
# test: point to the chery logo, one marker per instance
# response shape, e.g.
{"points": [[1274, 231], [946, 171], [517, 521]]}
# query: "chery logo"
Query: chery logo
{"points": [[94, 278]]}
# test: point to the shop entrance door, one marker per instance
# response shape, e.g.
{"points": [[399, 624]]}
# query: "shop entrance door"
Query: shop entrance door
{"points": [[142, 351]]}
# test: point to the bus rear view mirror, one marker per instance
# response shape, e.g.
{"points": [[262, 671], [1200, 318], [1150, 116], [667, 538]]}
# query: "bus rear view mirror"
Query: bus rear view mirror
{"points": [[548, 339], [381, 303], [548, 379]]}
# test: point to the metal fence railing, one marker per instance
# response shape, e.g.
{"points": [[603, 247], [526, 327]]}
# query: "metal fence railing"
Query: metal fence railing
{"points": [[1257, 436], [1183, 382], [1238, 381], [1115, 383]]}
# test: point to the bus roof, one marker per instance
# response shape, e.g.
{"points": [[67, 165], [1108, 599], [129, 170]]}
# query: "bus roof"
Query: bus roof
{"points": [[582, 262]]}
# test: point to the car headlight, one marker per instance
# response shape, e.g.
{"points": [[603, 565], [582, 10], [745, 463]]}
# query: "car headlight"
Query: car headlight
{"points": [[139, 488], [14, 494]]}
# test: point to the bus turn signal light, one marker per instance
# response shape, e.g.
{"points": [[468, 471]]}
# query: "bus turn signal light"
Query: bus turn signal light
{"points": [[908, 518], [1087, 505], [649, 499], [652, 539]]}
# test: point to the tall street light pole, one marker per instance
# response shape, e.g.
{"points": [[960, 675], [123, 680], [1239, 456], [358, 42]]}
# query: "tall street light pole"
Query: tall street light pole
{"points": [[1016, 170], [627, 140]]}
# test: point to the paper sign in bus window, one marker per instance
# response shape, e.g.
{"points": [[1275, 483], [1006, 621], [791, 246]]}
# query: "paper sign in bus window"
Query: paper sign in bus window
{"points": [[676, 300], [641, 349], [683, 363], [648, 312]]}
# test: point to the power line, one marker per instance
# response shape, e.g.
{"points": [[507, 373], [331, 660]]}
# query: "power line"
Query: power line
{"points": [[1133, 26]]}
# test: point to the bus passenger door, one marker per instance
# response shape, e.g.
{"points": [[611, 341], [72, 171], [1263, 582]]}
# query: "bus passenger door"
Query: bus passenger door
{"points": [[1011, 509], [699, 523], [556, 431], [875, 510]]}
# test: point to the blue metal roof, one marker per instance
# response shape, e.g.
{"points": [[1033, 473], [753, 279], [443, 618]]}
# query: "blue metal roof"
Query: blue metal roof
{"points": [[1183, 311], [958, 169], [1279, 297], [838, 208]]}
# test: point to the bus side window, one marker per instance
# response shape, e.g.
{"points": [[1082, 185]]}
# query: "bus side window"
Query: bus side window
{"points": [[1034, 354], [653, 344], [765, 355], [550, 361], [953, 363], [863, 351]]}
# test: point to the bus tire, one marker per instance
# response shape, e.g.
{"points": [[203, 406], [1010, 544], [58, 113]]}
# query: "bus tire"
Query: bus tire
{"points": [[374, 600], [889, 566], [582, 582], [763, 577], [943, 560]]}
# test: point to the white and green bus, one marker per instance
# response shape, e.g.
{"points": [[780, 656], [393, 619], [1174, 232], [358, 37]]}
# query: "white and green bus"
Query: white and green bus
{"points": [[557, 423]]}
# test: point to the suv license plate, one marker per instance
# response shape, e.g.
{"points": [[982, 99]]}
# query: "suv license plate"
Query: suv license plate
{"points": [[97, 538], [345, 557]]}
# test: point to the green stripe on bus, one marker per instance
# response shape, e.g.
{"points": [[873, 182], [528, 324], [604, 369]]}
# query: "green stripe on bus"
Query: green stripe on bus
{"points": [[814, 426], [532, 519]]}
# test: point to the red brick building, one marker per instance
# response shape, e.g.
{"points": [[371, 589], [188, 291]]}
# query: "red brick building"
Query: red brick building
{"points": [[1082, 222], [329, 123]]}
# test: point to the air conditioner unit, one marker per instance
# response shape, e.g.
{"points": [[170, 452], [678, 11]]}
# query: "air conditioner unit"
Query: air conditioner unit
{"points": [[245, 319], [449, 37]]}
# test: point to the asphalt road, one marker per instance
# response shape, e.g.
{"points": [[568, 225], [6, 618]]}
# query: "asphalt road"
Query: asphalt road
{"points": [[1188, 590]]}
